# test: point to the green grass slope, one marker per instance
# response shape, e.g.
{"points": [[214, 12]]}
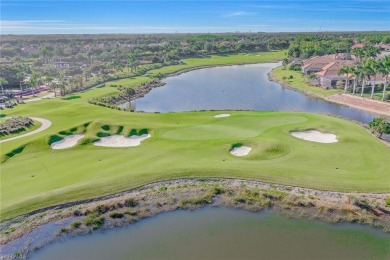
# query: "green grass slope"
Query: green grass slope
{"points": [[182, 145]]}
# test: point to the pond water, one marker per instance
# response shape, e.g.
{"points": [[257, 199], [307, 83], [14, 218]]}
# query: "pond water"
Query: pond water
{"points": [[243, 87], [223, 233]]}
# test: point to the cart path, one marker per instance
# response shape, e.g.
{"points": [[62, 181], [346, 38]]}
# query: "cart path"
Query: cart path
{"points": [[45, 125]]}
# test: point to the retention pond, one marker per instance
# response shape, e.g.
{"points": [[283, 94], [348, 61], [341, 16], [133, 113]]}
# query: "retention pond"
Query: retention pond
{"points": [[224, 233], [243, 87]]}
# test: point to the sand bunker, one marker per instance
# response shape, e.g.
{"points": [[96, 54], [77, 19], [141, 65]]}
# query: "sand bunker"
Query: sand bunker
{"points": [[315, 136], [222, 115], [67, 142], [241, 151], [121, 141]]}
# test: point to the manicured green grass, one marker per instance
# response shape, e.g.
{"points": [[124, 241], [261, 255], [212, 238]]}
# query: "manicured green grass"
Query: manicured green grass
{"points": [[299, 82], [183, 145], [36, 125], [377, 94]]}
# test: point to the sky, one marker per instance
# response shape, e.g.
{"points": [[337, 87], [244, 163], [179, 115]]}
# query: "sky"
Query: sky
{"points": [[188, 16]]}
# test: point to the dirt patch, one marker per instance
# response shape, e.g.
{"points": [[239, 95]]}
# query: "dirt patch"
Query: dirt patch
{"points": [[362, 103]]}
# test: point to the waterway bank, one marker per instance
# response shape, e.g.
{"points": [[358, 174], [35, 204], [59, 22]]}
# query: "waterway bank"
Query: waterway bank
{"points": [[131, 206]]}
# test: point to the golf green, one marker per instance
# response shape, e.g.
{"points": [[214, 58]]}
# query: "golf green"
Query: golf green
{"points": [[192, 144]]}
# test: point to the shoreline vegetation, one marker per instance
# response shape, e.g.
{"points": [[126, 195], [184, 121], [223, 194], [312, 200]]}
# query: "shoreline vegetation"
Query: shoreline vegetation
{"points": [[297, 83], [136, 204]]}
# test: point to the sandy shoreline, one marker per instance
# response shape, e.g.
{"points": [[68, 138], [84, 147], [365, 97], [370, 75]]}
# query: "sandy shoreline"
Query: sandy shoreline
{"points": [[130, 206]]}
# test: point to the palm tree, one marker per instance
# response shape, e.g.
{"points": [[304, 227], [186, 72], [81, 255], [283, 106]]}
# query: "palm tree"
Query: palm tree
{"points": [[375, 68], [128, 94], [131, 59], [384, 70], [366, 72], [359, 53], [285, 63], [49, 82], [346, 70], [3, 82], [358, 77], [371, 51]]}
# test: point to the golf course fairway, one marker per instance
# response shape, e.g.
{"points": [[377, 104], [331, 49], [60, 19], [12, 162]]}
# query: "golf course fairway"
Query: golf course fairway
{"points": [[191, 144]]}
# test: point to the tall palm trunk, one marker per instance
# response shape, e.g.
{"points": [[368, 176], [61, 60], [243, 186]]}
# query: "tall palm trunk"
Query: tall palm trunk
{"points": [[373, 89], [384, 88], [346, 85], [354, 86], [363, 85]]}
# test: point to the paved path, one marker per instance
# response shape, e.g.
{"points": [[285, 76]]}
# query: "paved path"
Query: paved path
{"points": [[45, 125], [51, 95]]}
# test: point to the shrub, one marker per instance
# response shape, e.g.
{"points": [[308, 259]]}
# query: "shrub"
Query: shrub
{"points": [[387, 202], [75, 224], [93, 221], [387, 97], [291, 77], [131, 212], [339, 84], [131, 203], [116, 215], [101, 209], [15, 125], [64, 230], [203, 200]]}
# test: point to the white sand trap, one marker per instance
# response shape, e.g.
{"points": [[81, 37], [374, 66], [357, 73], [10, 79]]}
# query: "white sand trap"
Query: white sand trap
{"points": [[67, 142], [222, 115], [315, 136], [121, 141], [241, 151]]}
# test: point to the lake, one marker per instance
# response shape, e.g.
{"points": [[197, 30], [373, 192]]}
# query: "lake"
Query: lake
{"points": [[243, 87], [224, 233]]}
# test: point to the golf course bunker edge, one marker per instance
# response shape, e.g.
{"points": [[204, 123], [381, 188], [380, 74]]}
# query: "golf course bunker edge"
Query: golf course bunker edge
{"points": [[68, 142], [315, 136], [121, 141], [240, 150]]}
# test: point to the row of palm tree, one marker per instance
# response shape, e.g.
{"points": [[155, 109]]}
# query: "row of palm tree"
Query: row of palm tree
{"points": [[368, 68]]}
